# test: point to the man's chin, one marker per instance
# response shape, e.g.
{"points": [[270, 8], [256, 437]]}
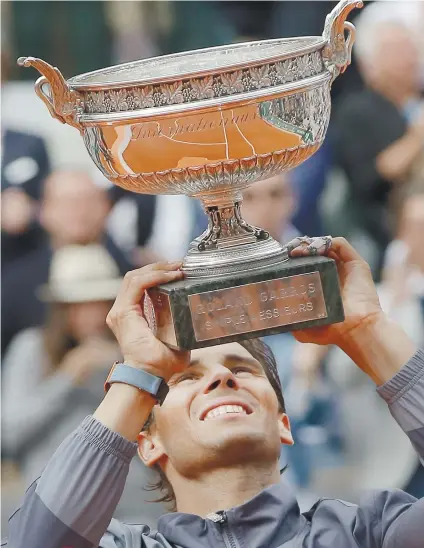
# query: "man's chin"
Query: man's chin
{"points": [[239, 443]]}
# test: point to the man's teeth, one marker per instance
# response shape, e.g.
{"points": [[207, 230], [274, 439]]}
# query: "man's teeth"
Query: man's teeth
{"points": [[223, 410]]}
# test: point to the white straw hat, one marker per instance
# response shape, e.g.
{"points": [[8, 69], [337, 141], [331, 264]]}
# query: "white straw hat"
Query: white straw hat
{"points": [[81, 273]]}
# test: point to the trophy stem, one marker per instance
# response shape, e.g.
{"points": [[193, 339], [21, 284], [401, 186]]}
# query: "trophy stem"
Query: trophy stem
{"points": [[227, 228], [230, 245]]}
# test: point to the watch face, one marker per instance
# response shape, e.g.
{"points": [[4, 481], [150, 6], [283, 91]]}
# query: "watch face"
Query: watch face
{"points": [[149, 313]]}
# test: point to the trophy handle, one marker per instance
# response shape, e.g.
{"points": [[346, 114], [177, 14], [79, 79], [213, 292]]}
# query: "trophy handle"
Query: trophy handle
{"points": [[338, 51], [63, 103]]}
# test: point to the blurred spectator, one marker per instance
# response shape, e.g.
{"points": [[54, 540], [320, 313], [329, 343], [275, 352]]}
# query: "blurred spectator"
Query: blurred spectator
{"points": [[54, 374], [24, 166], [74, 210], [270, 204], [380, 130], [411, 13], [402, 288], [47, 364]]}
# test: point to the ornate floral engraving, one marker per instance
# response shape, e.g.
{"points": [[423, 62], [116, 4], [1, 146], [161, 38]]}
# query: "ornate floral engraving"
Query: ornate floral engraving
{"points": [[96, 102], [118, 100], [260, 77], [207, 87], [172, 93], [202, 88], [232, 82], [144, 97]]}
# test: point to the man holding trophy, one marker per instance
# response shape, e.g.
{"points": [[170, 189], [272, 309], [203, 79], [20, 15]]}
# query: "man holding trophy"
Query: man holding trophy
{"points": [[211, 421]]}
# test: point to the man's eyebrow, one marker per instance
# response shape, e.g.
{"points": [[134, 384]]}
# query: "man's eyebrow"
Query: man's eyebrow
{"points": [[237, 359], [232, 359]]}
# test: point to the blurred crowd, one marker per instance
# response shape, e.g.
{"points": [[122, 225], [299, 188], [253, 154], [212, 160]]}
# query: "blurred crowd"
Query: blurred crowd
{"points": [[68, 237]]}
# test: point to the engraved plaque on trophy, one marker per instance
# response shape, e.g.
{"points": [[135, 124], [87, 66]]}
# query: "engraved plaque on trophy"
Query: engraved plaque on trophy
{"points": [[208, 123]]}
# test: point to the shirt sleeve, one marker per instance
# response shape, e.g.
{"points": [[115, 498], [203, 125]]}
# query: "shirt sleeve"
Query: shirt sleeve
{"points": [[72, 503], [398, 518], [389, 519], [404, 394]]}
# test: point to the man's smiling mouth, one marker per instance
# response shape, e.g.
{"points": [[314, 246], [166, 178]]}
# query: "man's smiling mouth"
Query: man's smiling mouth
{"points": [[225, 410]]}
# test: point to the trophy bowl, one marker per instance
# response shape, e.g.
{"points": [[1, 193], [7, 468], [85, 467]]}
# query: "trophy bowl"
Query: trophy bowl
{"points": [[207, 124]]}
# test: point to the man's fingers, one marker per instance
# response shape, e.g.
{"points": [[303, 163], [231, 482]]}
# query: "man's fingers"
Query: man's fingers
{"points": [[133, 287], [171, 265], [336, 248], [345, 251], [145, 270], [305, 246], [136, 282], [300, 241], [161, 266]]}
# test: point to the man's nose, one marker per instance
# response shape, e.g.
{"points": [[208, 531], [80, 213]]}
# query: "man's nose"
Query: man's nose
{"points": [[221, 379]]}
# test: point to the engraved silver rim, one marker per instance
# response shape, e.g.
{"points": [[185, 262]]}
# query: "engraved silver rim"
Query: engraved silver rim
{"points": [[204, 105]]}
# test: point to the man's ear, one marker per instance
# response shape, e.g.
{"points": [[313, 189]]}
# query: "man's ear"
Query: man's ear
{"points": [[150, 449], [286, 437]]}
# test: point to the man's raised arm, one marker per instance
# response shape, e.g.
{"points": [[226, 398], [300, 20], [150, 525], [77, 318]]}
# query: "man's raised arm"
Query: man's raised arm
{"points": [[391, 518], [72, 503]]}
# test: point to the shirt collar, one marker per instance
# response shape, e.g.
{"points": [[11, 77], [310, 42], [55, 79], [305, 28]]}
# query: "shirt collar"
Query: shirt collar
{"points": [[270, 518]]}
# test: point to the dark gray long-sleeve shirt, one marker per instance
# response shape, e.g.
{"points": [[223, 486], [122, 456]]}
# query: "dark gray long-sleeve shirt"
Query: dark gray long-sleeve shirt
{"points": [[72, 503]]}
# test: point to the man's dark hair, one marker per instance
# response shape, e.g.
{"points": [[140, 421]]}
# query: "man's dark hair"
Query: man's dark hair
{"points": [[264, 355]]}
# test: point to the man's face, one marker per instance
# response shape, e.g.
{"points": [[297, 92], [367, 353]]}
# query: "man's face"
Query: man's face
{"points": [[269, 205], [220, 412], [74, 209]]}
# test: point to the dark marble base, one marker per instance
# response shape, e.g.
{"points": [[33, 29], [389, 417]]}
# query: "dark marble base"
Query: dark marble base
{"points": [[295, 294]]}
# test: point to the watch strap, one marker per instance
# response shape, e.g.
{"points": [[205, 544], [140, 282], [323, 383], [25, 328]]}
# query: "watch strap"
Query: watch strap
{"points": [[153, 385]]}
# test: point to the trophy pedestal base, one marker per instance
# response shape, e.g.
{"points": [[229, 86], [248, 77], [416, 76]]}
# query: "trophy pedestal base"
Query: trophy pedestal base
{"points": [[291, 295]]}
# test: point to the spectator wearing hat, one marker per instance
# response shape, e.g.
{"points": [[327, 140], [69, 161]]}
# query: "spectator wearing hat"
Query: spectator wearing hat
{"points": [[46, 387], [54, 374]]}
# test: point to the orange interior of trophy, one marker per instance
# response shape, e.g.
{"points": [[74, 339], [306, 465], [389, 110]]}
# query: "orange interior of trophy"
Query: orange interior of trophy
{"points": [[194, 140]]}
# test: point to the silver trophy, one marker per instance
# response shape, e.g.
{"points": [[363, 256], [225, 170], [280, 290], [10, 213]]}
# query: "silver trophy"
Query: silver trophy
{"points": [[208, 123]]}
